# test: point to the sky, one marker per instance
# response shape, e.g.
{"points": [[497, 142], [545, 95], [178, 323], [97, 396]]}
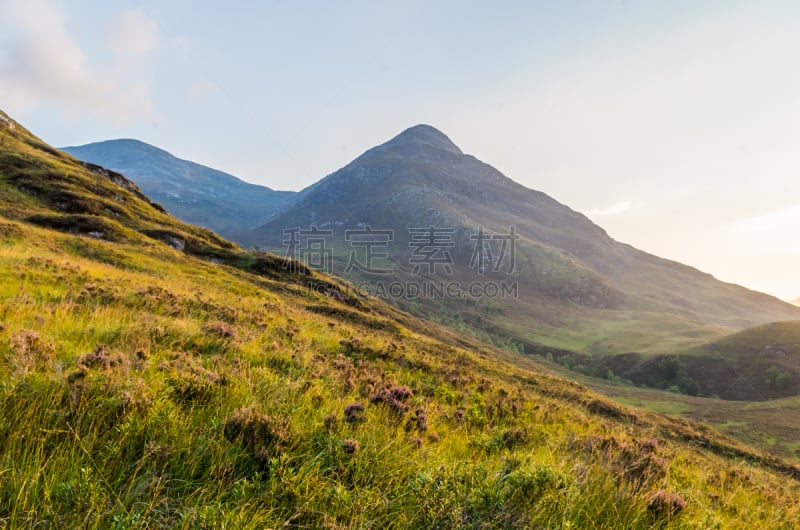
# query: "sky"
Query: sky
{"points": [[674, 125]]}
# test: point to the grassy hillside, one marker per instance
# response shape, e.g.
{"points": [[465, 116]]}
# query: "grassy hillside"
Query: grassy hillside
{"points": [[149, 385], [769, 353], [771, 425], [756, 364]]}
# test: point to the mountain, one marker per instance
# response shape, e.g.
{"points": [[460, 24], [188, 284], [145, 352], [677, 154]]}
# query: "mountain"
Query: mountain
{"points": [[756, 364], [194, 193], [157, 376], [579, 292]]}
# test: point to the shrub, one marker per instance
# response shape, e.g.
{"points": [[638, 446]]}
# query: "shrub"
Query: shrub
{"points": [[189, 381], [515, 437], [94, 226], [418, 421], [350, 446], [262, 437], [634, 464], [671, 373], [665, 505], [393, 397], [331, 423], [527, 485], [100, 358], [29, 351], [777, 379], [354, 413], [222, 329]]}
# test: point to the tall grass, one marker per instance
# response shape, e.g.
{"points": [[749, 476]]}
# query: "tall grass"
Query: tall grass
{"points": [[219, 401]]}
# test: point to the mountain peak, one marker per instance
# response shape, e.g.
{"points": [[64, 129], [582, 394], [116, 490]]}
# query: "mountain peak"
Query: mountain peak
{"points": [[196, 193], [131, 145], [424, 135]]}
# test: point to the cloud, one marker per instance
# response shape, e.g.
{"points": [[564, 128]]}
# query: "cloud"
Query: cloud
{"points": [[133, 32], [617, 208], [40, 58], [41, 63]]}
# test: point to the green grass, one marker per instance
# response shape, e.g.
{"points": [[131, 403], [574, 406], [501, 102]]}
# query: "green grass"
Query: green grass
{"points": [[143, 387], [661, 406], [140, 442], [770, 425]]}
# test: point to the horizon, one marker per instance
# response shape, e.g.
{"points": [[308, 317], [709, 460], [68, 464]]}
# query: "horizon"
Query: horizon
{"points": [[671, 127]]}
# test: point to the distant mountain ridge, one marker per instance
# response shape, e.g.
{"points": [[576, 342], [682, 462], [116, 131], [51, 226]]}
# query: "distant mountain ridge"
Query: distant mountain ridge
{"points": [[192, 192]]}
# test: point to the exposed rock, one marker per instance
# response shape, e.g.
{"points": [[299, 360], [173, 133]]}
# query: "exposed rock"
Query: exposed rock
{"points": [[175, 242], [8, 123]]}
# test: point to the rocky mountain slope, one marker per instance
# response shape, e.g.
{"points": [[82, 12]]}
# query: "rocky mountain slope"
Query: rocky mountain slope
{"points": [[578, 289]]}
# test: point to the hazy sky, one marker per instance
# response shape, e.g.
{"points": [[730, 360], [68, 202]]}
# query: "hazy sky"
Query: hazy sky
{"points": [[673, 124]]}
